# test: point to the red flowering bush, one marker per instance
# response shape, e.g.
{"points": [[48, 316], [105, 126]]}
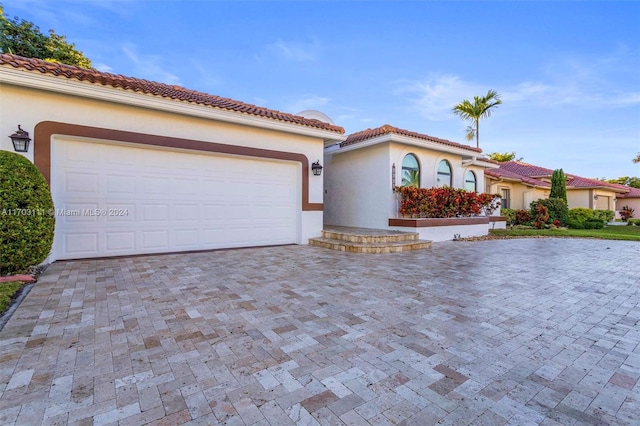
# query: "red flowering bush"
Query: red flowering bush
{"points": [[444, 202]]}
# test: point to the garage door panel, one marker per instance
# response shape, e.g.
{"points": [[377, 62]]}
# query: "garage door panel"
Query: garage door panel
{"points": [[120, 184], [187, 238], [119, 241], [83, 244], [155, 239], [158, 201], [155, 212], [119, 213], [84, 183]]}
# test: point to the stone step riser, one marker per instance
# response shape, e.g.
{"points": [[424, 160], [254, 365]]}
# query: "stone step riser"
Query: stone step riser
{"points": [[332, 235], [375, 248]]}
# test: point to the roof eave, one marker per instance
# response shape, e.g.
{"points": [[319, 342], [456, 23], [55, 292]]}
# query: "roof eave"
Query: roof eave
{"points": [[407, 140], [36, 80]]}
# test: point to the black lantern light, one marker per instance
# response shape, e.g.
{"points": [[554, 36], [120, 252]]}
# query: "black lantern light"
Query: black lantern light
{"points": [[20, 140], [316, 168]]}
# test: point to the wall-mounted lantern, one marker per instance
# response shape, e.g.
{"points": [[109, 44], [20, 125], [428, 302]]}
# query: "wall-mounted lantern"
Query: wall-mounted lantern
{"points": [[393, 177], [20, 140], [316, 168], [595, 197]]}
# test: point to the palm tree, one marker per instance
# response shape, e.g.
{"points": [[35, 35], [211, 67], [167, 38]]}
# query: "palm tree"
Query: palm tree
{"points": [[637, 159], [480, 108], [411, 178]]}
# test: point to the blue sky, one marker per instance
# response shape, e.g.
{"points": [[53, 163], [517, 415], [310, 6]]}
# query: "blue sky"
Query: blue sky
{"points": [[568, 72]]}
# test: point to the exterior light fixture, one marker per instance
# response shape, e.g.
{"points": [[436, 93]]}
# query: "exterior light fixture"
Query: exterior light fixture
{"points": [[393, 177], [316, 168], [20, 140], [595, 197]]}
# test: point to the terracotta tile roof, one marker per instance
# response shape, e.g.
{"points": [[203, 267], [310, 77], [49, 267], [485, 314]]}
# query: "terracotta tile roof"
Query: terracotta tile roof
{"points": [[387, 129], [503, 173], [157, 89], [533, 174], [632, 192]]}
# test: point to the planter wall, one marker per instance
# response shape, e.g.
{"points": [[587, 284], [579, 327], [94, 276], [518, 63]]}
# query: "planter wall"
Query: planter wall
{"points": [[445, 229]]}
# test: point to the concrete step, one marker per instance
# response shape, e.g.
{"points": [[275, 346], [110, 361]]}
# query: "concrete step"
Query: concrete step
{"points": [[369, 247], [367, 235]]}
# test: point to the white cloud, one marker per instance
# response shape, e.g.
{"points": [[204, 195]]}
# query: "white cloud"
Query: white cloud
{"points": [[292, 51], [149, 66], [102, 67], [437, 94], [308, 102]]}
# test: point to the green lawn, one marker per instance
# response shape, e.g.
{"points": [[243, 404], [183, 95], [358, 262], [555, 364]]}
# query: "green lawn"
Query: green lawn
{"points": [[7, 292], [629, 233]]}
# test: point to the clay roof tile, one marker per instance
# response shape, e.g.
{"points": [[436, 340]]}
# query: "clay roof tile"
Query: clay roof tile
{"points": [[174, 92]]}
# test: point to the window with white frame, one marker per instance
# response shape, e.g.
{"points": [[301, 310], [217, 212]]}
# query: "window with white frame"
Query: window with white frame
{"points": [[444, 174]]}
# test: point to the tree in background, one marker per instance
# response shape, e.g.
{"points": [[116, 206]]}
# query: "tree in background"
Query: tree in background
{"points": [[558, 185], [21, 37], [411, 178], [503, 157], [480, 108], [637, 159], [625, 180]]}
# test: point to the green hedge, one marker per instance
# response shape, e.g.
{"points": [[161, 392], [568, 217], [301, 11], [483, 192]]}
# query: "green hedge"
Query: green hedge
{"points": [[26, 215], [605, 215]]}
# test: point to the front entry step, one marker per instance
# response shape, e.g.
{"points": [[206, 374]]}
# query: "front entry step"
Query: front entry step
{"points": [[366, 240]]}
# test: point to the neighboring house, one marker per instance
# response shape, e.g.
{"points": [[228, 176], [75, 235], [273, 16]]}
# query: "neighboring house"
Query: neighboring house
{"points": [[141, 167], [630, 199], [519, 184], [362, 172]]}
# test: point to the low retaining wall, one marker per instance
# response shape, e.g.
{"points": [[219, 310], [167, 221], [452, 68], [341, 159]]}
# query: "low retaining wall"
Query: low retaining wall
{"points": [[447, 229]]}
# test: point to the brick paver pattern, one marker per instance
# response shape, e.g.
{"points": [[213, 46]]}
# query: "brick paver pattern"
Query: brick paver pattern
{"points": [[529, 331]]}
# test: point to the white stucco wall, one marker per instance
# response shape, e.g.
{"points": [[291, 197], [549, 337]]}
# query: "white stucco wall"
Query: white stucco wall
{"points": [[358, 184], [358, 187]]}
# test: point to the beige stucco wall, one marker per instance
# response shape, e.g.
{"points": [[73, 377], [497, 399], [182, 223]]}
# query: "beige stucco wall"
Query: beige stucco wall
{"points": [[585, 198], [28, 107], [634, 203], [521, 195]]}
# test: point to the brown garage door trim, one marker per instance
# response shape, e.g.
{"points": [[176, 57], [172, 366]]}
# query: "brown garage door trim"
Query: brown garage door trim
{"points": [[45, 129]]}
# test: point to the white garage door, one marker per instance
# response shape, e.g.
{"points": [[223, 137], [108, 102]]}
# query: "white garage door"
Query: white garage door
{"points": [[114, 200]]}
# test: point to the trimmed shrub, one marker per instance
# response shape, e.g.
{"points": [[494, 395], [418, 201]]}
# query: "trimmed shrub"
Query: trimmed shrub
{"points": [[575, 224], [633, 222], [541, 217], [523, 217], [594, 224], [510, 214], [605, 215], [579, 214], [26, 213], [443, 202], [556, 207]]}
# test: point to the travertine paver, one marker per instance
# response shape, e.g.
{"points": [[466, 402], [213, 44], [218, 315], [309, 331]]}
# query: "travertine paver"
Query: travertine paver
{"points": [[531, 331]]}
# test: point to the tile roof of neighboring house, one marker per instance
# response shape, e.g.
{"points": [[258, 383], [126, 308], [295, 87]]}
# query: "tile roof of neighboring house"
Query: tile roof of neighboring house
{"points": [[633, 192], [532, 175], [157, 89], [387, 129], [502, 173]]}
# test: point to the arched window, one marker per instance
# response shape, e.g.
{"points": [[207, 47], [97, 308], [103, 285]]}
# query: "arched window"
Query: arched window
{"points": [[470, 182], [444, 174], [410, 171]]}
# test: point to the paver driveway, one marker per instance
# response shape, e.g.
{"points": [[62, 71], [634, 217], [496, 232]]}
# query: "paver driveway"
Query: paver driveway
{"points": [[515, 331]]}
